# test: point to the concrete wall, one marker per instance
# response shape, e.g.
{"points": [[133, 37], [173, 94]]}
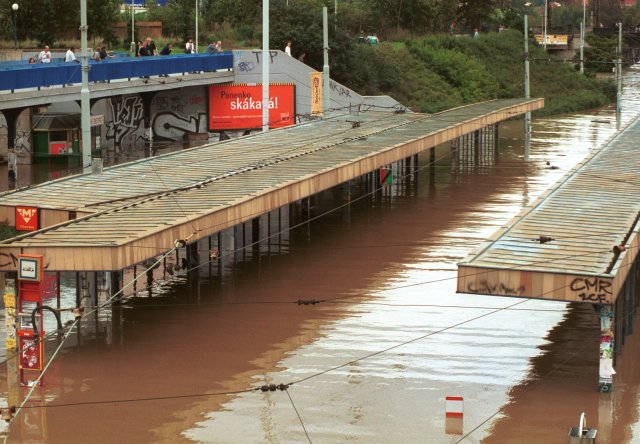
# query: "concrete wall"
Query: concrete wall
{"points": [[247, 65], [175, 112]]}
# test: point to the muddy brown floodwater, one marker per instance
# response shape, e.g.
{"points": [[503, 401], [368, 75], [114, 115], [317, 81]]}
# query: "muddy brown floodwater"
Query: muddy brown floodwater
{"points": [[374, 362]]}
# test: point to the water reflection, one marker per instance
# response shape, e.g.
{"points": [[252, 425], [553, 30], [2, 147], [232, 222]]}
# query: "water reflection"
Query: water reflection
{"points": [[375, 360]]}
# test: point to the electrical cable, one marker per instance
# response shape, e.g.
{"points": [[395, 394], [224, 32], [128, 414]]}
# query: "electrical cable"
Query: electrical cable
{"points": [[284, 387], [298, 414], [296, 226], [57, 350]]}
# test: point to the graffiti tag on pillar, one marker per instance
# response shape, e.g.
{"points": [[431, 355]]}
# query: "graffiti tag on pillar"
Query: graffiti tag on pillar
{"points": [[22, 144], [485, 287], [592, 289], [127, 114]]}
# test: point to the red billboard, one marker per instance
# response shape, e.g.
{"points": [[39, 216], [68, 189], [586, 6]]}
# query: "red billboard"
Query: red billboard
{"points": [[240, 106], [26, 218]]}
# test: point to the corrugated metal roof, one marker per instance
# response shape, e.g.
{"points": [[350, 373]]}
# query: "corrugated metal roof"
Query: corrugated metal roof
{"points": [[591, 210], [203, 190], [64, 121]]}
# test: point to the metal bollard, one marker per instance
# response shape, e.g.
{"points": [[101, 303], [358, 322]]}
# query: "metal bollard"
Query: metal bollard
{"points": [[581, 434]]}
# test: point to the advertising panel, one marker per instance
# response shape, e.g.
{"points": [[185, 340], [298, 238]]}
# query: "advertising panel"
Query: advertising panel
{"points": [[57, 147], [316, 92], [240, 106], [31, 352], [26, 218]]}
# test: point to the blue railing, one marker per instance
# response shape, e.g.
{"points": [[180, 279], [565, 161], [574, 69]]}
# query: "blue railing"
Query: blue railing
{"points": [[15, 76]]}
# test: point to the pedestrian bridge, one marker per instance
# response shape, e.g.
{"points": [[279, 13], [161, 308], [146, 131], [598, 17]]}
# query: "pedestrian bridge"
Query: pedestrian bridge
{"points": [[577, 242], [16, 76], [132, 212]]}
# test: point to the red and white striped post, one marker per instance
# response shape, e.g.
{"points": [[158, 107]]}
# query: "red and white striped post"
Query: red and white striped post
{"points": [[454, 406], [454, 415]]}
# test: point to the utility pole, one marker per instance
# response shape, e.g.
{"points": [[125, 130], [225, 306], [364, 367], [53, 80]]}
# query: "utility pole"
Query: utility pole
{"points": [[583, 31], [325, 67], [527, 93], [582, 48], [265, 65], [619, 72], [85, 106], [133, 27], [197, 14], [544, 25]]}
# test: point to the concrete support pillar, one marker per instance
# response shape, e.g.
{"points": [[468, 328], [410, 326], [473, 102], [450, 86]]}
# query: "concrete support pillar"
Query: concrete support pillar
{"points": [[605, 313], [11, 116]]}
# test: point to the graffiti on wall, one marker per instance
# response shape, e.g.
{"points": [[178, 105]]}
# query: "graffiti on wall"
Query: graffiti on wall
{"points": [[339, 89], [127, 115], [178, 112], [22, 144], [592, 289], [497, 288]]}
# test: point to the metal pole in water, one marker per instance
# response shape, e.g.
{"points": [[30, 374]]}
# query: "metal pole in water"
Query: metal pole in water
{"points": [[527, 93], [325, 66], [84, 92], [619, 72], [265, 65]]}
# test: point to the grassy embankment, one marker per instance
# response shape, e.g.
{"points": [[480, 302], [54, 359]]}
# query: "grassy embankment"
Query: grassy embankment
{"points": [[440, 72]]}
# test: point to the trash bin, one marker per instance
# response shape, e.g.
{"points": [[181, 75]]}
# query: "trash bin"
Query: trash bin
{"points": [[581, 434]]}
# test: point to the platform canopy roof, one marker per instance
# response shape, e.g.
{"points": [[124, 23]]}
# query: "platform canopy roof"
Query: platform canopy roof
{"points": [[135, 211], [576, 242]]}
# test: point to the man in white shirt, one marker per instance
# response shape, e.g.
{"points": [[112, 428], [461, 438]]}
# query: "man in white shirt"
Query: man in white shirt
{"points": [[70, 56], [287, 50], [44, 56]]}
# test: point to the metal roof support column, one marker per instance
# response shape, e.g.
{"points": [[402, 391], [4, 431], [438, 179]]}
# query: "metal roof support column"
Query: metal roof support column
{"points": [[606, 314], [116, 307]]}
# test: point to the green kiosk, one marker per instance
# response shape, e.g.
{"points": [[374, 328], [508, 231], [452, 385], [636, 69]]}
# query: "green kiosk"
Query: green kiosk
{"points": [[57, 138]]}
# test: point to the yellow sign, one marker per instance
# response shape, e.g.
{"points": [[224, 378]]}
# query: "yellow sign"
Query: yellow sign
{"points": [[316, 92], [553, 39]]}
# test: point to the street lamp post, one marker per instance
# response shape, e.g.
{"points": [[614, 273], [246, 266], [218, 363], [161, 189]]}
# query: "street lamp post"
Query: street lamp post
{"points": [[544, 25], [197, 14], [15, 28], [133, 27]]}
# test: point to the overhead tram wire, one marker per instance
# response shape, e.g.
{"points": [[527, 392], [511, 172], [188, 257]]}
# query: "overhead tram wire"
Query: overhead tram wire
{"points": [[540, 380], [315, 375], [59, 348], [335, 209], [259, 388], [298, 414], [340, 299], [305, 222]]}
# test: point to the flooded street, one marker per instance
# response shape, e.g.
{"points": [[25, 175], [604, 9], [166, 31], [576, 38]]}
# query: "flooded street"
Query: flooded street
{"points": [[357, 312]]}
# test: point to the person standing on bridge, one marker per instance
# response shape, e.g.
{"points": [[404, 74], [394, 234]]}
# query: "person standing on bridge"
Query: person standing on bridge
{"points": [[151, 46], [167, 49], [287, 49], [70, 56], [45, 55], [190, 47], [212, 48]]}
